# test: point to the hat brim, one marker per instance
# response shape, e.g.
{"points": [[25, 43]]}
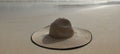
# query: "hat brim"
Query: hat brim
{"points": [[80, 38]]}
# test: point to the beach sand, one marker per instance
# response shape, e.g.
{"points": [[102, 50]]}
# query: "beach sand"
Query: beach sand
{"points": [[18, 22]]}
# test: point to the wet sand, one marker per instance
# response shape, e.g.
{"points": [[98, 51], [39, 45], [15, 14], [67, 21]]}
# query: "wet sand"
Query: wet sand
{"points": [[17, 23]]}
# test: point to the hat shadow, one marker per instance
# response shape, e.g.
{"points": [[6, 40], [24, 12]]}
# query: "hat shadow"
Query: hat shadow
{"points": [[50, 40]]}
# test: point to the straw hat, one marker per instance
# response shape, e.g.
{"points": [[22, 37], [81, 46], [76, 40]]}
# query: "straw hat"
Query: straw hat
{"points": [[60, 35]]}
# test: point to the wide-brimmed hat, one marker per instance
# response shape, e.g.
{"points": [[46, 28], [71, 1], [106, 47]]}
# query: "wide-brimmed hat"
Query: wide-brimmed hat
{"points": [[60, 35]]}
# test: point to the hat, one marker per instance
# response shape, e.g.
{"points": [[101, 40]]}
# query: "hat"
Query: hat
{"points": [[60, 35]]}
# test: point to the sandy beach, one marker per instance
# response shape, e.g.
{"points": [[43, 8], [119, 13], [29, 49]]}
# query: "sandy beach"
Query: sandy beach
{"points": [[19, 20]]}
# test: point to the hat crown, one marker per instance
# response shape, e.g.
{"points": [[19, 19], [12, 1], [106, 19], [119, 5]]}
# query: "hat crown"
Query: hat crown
{"points": [[62, 22], [61, 28]]}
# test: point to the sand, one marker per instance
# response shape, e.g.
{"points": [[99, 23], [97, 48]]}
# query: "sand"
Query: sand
{"points": [[18, 22]]}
